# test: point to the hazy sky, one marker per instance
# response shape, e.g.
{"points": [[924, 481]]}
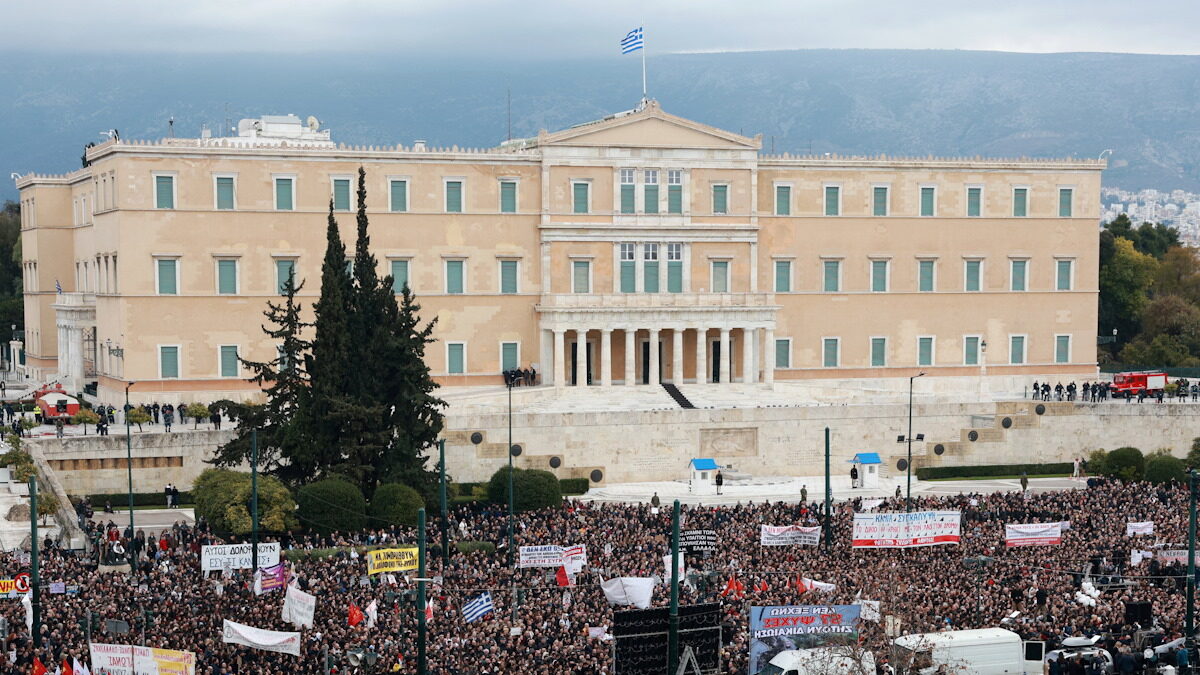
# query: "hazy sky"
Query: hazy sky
{"points": [[542, 29]]}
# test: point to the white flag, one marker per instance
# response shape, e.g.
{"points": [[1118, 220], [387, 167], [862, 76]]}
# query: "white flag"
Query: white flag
{"points": [[258, 582], [79, 668], [27, 601], [634, 591], [372, 614]]}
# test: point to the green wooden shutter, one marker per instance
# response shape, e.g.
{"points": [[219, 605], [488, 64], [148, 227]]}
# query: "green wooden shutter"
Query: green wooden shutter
{"points": [[651, 195], [341, 194], [627, 199], [879, 276], [508, 197], [974, 202], [832, 268], [1018, 275], [783, 200], [454, 276], [650, 278], [925, 351], [878, 352], [832, 205], [579, 278], [399, 189], [508, 356], [1062, 348], [579, 197], [927, 201], [399, 275], [926, 277], [283, 194], [830, 353], [229, 361], [169, 361], [972, 280], [674, 199], [628, 276], [674, 276], [224, 192], [1064, 275], [720, 198], [1020, 202], [1016, 350], [455, 355], [508, 276], [879, 207], [164, 192], [453, 196], [227, 277], [783, 276], [283, 270], [783, 355], [971, 351], [1065, 202], [720, 276], [166, 277]]}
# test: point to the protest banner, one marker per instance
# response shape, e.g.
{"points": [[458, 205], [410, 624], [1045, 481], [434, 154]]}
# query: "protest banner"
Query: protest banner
{"points": [[221, 557], [1132, 529], [110, 659], [553, 556], [271, 578], [392, 560], [1032, 534], [258, 638], [667, 567], [790, 535], [1170, 556], [777, 629], [698, 541], [870, 504], [299, 607], [906, 530]]}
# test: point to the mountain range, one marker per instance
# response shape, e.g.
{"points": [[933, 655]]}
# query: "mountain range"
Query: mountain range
{"points": [[1145, 108]]}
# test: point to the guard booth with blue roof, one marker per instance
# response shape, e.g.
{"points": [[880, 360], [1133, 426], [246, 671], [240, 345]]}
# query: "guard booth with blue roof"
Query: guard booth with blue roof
{"points": [[703, 475], [868, 464]]}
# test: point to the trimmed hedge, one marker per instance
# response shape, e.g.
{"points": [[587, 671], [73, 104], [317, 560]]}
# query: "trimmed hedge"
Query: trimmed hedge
{"points": [[532, 489], [931, 472], [1126, 463], [573, 486], [473, 546], [332, 504], [121, 499], [395, 504], [1165, 469]]}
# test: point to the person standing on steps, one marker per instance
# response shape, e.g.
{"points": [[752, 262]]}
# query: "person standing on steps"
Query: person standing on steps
{"points": [[719, 481], [1024, 482], [803, 494], [854, 476]]}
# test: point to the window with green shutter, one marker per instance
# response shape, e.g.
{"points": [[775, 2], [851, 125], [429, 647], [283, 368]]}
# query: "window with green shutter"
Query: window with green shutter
{"points": [[674, 276], [227, 277], [878, 352], [925, 276], [829, 353], [974, 202], [225, 193], [509, 354], [398, 196], [164, 192], [284, 199], [1020, 202], [971, 350], [508, 196], [650, 276], [1016, 349], [783, 200], [879, 205], [925, 351], [628, 198], [229, 361], [720, 199], [1018, 275], [972, 281], [720, 276], [581, 273], [783, 353], [833, 276], [1065, 202], [879, 275], [651, 195], [579, 197], [833, 200], [399, 275], [168, 361], [508, 276], [284, 269], [1062, 348], [928, 201], [783, 276], [341, 194], [1064, 275], [454, 202], [167, 276], [628, 276], [674, 199], [454, 277], [456, 358]]}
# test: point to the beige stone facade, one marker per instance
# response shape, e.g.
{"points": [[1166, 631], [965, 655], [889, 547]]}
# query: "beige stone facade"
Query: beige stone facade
{"points": [[604, 239]]}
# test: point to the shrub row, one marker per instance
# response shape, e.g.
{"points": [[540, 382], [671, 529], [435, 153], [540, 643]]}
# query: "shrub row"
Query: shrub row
{"points": [[121, 499], [574, 486], [983, 471]]}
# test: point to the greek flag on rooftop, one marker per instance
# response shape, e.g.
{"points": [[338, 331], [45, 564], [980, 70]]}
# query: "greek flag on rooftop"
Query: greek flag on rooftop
{"points": [[633, 41], [477, 608]]}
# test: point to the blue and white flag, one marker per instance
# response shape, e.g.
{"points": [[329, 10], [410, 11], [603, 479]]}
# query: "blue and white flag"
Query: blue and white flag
{"points": [[478, 607], [632, 41], [57, 286]]}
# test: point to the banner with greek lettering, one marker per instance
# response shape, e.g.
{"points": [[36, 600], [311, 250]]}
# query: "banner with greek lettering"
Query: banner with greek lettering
{"points": [[906, 530], [553, 556], [257, 638], [130, 660], [1032, 534], [777, 629], [698, 541], [790, 535], [1132, 529], [237, 556], [392, 560], [299, 607]]}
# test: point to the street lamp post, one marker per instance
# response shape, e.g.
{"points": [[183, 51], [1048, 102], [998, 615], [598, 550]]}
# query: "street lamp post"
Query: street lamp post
{"points": [[1190, 639], [909, 439], [129, 471]]}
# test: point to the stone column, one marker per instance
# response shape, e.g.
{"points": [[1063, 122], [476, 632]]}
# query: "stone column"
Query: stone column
{"points": [[560, 358], [14, 348], [701, 356], [677, 356], [606, 357], [748, 374], [630, 359], [653, 357], [581, 357], [76, 336], [725, 368], [768, 357]]}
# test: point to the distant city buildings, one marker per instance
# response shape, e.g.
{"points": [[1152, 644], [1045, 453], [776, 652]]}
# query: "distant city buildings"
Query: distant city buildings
{"points": [[1178, 208]]}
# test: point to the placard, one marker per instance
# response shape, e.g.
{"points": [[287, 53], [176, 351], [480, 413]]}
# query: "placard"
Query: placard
{"points": [[392, 560], [1032, 534], [906, 530], [790, 535], [782, 628], [237, 556]]}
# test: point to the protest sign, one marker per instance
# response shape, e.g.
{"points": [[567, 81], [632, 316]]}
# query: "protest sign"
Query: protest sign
{"points": [[667, 568], [237, 556], [271, 578], [1170, 556], [870, 504], [258, 638], [698, 541], [132, 660], [776, 629], [553, 556], [1032, 534], [1132, 529], [789, 535], [299, 607], [392, 560], [906, 530]]}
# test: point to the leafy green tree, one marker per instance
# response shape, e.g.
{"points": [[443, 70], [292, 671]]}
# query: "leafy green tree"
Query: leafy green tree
{"points": [[332, 504], [532, 489], [138, 416], [85, 416], [395, 504], [1165, 469], [1162, 351], [1125, 463], [1124, 279], [223, 498], [197, 411], [1179, 274]]}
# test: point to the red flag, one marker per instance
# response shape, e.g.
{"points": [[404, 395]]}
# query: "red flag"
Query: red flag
{"points": [[356, 615], [38, 668], [429, 610], [563, 577], [66, 668], [734, 588]]}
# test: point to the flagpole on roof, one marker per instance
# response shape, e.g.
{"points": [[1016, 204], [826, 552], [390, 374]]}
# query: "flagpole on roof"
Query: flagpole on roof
{"points": [[643, 71]]}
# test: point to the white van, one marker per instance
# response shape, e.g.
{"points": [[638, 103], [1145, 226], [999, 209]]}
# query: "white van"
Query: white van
{"points": [[843, 660], [984, 651]]}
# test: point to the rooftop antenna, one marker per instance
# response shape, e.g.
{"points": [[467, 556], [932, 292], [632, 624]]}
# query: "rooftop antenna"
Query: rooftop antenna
{"points": [[509, 113], [171, 126]]}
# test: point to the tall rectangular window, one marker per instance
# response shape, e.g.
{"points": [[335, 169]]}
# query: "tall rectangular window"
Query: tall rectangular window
{"points": [[508, 196], [972, 282], [628, 191], [399, 275], [1020, 202], [1020, 271], [971, 350], [783, 276], [1016, 349], [168, 276], [879, 200], [455, 283], [341, 194], [829, 353], [720, 276], [650, 190], [229, 361], [783, 353], [974, 202], [456, 358], [674, 268], [879, 276], [398, 196], [508, 277], [227, 281], [628, 269], [225, 197], [285, 199], [720, 199], [164, 192], [878, 352], [581, 276], [168, 361], [833, 200], [284, 270], [928, 201], [1065, 202], [1062, 348], [675, 191], [925, 276], [783, 200], [650, 268], [454, 196], [1063, 275], [509, 356], [579, 197], [925, 351], [832, 276]]}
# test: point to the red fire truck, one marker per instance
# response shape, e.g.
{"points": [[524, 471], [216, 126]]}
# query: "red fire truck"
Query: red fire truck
{"points": [[1131, 384]]}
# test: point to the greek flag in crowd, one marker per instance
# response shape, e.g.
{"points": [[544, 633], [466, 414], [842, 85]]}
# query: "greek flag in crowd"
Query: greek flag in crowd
{"points": [[632, 41], [477, 608]]}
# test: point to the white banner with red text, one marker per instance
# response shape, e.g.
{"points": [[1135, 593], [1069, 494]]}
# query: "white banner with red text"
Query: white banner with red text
{"points": [[1032, 534], [906, 530]]}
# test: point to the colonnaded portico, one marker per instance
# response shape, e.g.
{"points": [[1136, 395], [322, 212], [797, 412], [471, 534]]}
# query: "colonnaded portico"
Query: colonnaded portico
{"points": [[678, 338]]}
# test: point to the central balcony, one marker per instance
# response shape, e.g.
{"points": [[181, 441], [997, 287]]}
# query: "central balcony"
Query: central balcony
{"points": [[645, 310]]}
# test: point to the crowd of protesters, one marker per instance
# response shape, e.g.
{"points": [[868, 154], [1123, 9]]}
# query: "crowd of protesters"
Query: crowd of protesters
{"points": [[169, 603]]}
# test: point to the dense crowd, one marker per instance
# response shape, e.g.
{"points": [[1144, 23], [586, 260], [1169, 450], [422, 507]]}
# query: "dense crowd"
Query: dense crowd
{"points": [[169, 603]]}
